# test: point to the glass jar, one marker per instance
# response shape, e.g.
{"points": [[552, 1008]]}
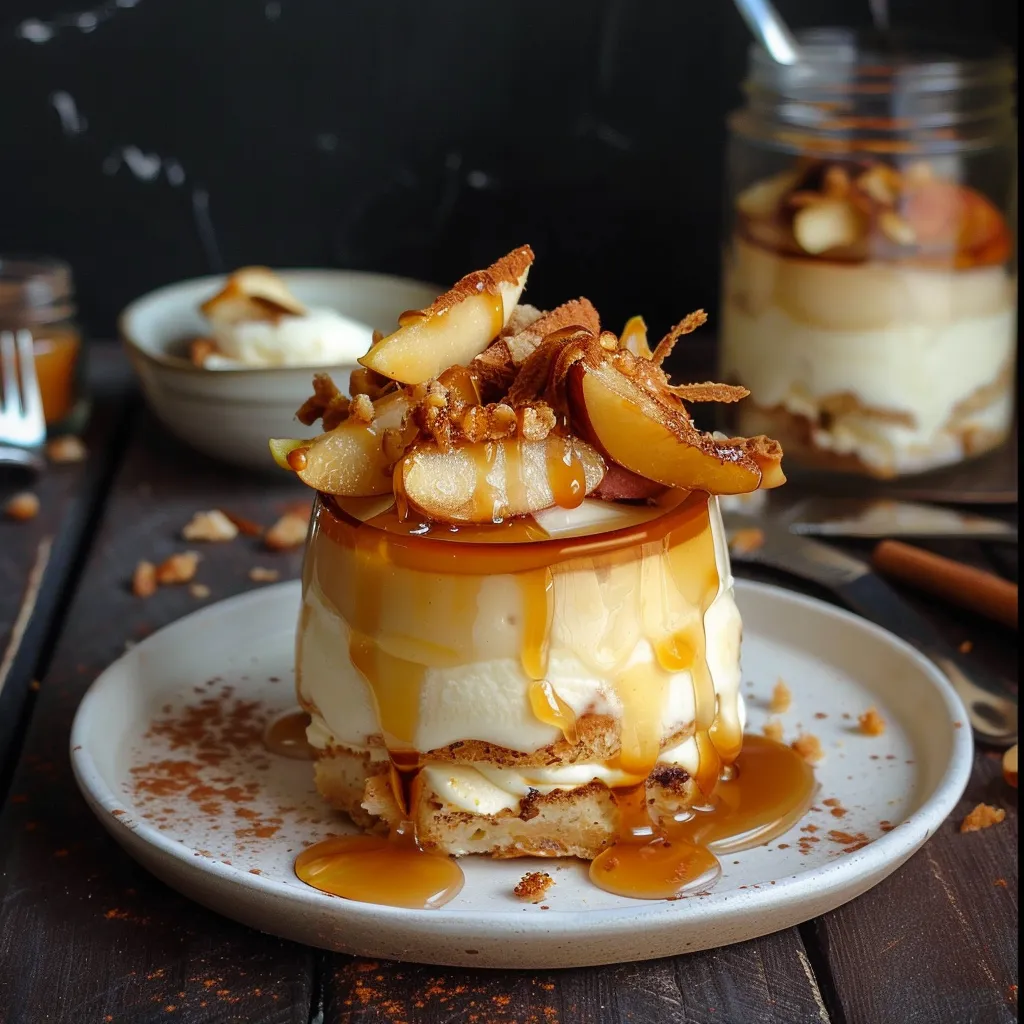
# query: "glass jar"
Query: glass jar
{"points": [[869, 292], [37, 294]]}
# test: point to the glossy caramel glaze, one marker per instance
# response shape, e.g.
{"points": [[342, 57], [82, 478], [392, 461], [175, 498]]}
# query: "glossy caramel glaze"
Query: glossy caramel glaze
{"points": [[286, 736]]}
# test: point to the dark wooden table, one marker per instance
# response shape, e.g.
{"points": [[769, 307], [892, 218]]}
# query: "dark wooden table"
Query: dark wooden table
{"points": [[87, 936]]}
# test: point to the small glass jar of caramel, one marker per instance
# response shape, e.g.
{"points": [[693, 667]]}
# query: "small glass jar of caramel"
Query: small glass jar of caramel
{"points": [[37, 294], [869, 292]]}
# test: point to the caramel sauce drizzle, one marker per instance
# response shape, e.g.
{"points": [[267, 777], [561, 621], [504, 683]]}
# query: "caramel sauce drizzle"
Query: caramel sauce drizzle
{"points": [[748, 795], [286, 736]]}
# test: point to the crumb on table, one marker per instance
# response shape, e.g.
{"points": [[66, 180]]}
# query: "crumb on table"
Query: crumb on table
{"points": [[288, 532], [782, 698], [258, 574], [178, 568], [533, 886], [808, 747], [144, 579], [966, 647], [67, 448], [22, 507], [871, 723], [212, 526], [983, 816]]}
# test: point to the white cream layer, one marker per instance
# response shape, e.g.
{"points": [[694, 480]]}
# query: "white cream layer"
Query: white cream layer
{"points": [[321, 337], [487, 700], [903, 340]]}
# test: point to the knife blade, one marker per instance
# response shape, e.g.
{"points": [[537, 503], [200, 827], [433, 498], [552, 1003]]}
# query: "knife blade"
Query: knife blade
{"points": [[992, 714], [880, 517]]}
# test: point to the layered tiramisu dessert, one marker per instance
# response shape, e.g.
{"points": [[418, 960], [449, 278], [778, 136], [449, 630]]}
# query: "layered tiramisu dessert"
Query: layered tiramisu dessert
{"points": [[255, 320], [871, 310], [518, 635]]}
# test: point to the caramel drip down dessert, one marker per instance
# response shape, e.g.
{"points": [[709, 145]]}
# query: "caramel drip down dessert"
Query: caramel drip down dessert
{"points": [[518, 635]]}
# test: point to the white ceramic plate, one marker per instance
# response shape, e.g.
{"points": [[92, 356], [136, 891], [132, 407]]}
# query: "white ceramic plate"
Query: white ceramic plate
{"points": [[222, 824]]}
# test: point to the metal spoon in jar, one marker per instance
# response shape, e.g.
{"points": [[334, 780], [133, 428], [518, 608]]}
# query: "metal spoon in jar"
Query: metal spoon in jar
{"points": [[770, 30]]}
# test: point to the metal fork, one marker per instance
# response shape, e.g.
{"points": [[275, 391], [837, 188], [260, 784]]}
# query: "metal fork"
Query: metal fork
{"points": [[22, 427]]}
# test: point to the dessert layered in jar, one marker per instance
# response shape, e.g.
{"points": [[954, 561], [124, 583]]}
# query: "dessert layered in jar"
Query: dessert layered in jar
{"points": [[870, 308], [518, 635]]}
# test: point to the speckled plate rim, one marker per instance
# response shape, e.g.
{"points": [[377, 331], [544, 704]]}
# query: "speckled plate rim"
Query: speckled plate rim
{"points": [[558, 938]]}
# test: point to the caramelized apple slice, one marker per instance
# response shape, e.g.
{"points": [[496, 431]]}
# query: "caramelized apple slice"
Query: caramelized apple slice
{"points": [[252, 293], [634, 337], [349, 460], [651, 438], [458, 326], [494, 480]]}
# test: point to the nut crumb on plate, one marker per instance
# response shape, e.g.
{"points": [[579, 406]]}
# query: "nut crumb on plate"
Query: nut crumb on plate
{"points": [[533, 886], [179, 568], [808, 747], [212, 526], [871, 722], [258, 574], [67, 448], [288, 532], [22, 507], [782, 698], [144, 579], [983, 816], [773, 730]]}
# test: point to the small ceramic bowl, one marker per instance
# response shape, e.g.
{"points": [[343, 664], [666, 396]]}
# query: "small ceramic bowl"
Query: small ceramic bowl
{"points": [[230, 414]]}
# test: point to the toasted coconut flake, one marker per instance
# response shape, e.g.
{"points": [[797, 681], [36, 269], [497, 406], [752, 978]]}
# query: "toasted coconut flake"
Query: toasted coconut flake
{"points": [[687, 325]]}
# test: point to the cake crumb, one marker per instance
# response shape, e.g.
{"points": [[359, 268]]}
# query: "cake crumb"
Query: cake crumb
{"points": [[66, 449], [782, 698], [288, 532], [210, 526], [144, 579], [983, 816], [966, 647], [747, 540], [808, 747], [258, 574], [199, 590], [22, 507], [773, 730], [533, 886], [1000, 882], [871, 723], [179, 568]]}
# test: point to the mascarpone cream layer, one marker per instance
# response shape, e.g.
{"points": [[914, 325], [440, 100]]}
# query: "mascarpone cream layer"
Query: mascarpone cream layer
{"points": [[602, 618]]}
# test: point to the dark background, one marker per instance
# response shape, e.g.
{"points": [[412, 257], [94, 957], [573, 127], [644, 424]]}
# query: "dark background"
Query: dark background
{"points": [[151, 140]]}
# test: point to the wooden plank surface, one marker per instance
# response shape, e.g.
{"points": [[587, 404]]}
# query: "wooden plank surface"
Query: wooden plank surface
{"points": [[40, 555], [85, 934]]}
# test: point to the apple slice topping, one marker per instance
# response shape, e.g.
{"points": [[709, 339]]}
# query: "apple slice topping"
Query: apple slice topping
{"points": [[456, 327], [252, 293], [487, 482]]}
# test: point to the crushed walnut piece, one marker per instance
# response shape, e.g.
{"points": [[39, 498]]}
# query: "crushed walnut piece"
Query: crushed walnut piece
{"points": [[327, 404], [65, 449], [871, 723], [259, 574], [983, 816], [773, 730], [782, 699], [288, 532], [144, 579], [22, 507], [178, 568], [210, 526], [808, 747], [533, 886]]}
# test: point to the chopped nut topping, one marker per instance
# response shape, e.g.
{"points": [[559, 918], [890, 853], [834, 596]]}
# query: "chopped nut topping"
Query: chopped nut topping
{"points": [[288, 532], [67, 448], [808, 747], [782, 698], [533, 886], [258, 574], [179, 568], [210, 526], [871, 723], [327, 404], [22, 507], [983, 816], [144, 580]]}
